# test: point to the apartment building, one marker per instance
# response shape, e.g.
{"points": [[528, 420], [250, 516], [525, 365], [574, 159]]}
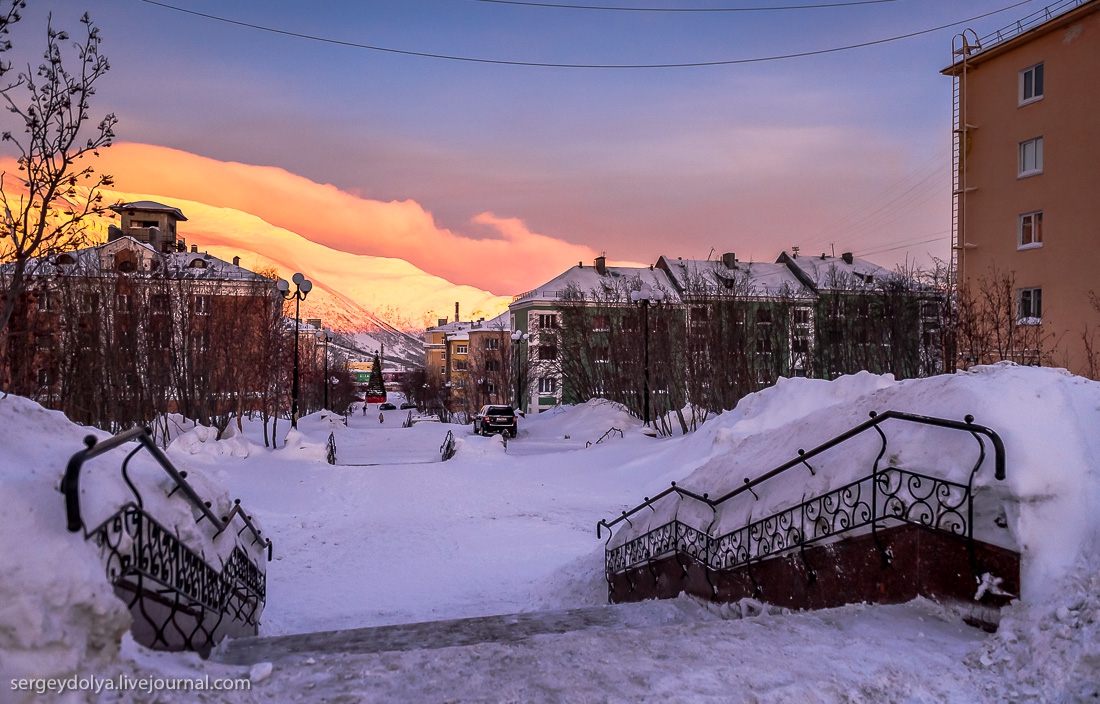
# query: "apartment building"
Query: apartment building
{"points": [[1027, 173]]}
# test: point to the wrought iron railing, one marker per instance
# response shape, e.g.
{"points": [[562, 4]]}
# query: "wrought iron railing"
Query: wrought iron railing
{"points": [[889, 494], [178, 599], [447, 449], [330, 453], [408, 421]]}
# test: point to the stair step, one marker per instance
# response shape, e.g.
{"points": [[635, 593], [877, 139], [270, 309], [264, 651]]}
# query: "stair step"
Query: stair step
{"points": [[429, 635]]}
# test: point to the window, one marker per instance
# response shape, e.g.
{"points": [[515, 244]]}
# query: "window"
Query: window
{"points": [[443, 370], [47, 302], [90, 302], [601, 354], [1030, 306], [548, 320], [490, 388], [601, 323], [492, 365], [1031, 84], [43, 342], [460, 383], [548, 352], [159, 304], [1030, 230], [201, 305], [460, 365], [547, 385], [699, 316], [1031, 157], [462, 349], [124, 303], [492, 343], [44, 377], [764, 316], [801, 317], [764, 345], [442, 356]]}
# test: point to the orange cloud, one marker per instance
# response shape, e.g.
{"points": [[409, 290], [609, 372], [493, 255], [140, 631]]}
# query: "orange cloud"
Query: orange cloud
{"points": [[513, 260]]}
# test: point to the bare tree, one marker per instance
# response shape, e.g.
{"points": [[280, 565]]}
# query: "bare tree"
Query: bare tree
{"points": [[47, 202]]}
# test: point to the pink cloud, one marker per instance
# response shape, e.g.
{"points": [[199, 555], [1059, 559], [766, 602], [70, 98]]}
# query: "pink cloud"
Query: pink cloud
{"points": [[515, 260]]}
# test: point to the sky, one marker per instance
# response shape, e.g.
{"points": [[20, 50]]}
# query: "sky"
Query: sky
{"points": [[501, 176]]}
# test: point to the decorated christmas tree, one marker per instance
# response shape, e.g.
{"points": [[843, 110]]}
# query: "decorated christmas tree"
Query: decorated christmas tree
{"points": [[376, 388]]}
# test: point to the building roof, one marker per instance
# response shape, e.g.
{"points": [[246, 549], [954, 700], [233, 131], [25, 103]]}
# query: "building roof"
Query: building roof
{"points": [[698, 277], [151, 206], [615, 281], [843, 273], [94, 261], [1048, 19]]}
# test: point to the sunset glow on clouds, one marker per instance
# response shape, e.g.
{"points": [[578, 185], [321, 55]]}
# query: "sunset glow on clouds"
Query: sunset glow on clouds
{"points": [[506, 259]]}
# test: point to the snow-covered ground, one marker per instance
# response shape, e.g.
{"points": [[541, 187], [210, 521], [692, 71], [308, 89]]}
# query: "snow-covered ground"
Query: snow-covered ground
{"points": [[393, 536]]}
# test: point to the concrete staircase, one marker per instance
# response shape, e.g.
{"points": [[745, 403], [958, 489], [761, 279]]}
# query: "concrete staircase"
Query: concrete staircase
{"points": [[430, 635]]}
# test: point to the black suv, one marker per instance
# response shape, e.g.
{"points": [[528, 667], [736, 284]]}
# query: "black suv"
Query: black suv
{"points": [[495, 419]]}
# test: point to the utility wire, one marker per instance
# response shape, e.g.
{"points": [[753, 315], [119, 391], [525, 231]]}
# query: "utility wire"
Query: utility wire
{"points": [[608, 8], [539, 64]]}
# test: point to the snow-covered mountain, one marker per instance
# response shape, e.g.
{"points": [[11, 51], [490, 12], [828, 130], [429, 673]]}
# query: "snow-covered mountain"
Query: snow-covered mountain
{"points": [[372, 301]]}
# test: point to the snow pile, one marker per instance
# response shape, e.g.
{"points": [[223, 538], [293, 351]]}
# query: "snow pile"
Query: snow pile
{"points": [[586, 421], [201, 443], [1047, 418], [1047, 652], [58, 614]]}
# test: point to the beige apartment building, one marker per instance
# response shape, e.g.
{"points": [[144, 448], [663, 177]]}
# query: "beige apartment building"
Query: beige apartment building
{"points": [[1027, 169]]}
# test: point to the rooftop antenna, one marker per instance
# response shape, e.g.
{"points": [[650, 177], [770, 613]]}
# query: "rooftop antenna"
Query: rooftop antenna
{"points": [[795, 250], [832, 248], [711, 252]]}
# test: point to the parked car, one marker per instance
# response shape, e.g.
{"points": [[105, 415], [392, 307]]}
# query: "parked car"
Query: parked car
{"points": [[496, 419], [387, 406], [407, 405]]}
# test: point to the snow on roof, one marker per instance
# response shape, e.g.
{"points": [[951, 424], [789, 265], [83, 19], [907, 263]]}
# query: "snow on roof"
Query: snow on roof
{"points": [[709, 277], [838, 273], [94, 261], [149, 205], [617, 280]]}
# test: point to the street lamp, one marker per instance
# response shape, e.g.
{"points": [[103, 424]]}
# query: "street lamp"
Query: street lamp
{"points": [[517, 338], [302, 287], [645, 297], [325, 337]]}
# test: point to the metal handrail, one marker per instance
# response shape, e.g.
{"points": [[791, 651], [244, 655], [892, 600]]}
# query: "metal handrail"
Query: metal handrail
{"points": [[70, 483], [603, 437], [876, 419], [330, 455], [447, 449]]}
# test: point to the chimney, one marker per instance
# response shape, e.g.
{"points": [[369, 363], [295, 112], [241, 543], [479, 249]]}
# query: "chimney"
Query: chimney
{"points": [[194, 249], [440, 322], [601, 265], [236, 261], [456, 312], [181, 246], [847, 257], [730, 260]]}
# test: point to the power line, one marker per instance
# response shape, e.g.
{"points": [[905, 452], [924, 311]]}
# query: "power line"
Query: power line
{"points": [[609, 8], [941, 235], [539, 64]]}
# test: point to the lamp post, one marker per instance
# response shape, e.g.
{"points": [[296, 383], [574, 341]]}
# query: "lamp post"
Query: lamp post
{"points": [[517, 338], [325, 337], [645, 297], [302, 287]]}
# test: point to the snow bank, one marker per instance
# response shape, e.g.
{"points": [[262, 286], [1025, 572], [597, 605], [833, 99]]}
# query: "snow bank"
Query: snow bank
{"points": [[201, 444], [586, 421], [58, 614], [1047, 418]]}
